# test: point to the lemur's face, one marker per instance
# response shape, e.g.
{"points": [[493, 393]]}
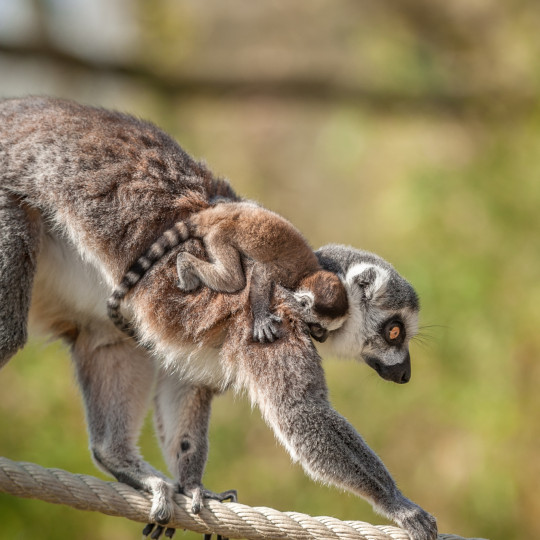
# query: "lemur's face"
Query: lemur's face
{"points": [[383, 317], [385, 346]]}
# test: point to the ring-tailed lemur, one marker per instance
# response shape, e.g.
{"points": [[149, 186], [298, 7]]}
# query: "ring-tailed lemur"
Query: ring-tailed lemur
{"points": [[83, 193], [281, 256], [383, 314]]}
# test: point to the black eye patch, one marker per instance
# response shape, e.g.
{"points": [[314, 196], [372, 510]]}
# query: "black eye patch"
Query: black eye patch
{"points": [[394, 332]]}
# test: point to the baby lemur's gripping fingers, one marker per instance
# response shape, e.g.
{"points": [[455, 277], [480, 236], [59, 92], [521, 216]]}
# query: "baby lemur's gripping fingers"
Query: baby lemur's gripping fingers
{"points": [[266, 328]]}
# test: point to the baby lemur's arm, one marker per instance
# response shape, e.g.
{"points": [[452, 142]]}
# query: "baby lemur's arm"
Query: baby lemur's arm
{"points": [[261, 288], [226, 274]]}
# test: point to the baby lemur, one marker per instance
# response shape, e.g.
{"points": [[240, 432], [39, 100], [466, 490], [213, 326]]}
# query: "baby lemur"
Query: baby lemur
{"points": [[281, 256], [84, 192]]}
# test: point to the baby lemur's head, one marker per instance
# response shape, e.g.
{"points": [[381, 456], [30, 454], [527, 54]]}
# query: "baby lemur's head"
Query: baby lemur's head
{"points": [[383, 311], [324, 302]]}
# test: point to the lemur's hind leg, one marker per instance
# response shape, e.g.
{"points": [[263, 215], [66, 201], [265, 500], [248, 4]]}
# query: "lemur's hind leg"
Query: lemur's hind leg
{"points": [[224, 272], [182, 413], [20, 231], [116, 381]]}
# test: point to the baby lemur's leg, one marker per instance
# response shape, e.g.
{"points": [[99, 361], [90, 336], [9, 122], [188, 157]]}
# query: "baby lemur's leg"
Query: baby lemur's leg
{"points": [[20, 229], [224, 272], [265, 323], [116, 381], [182, 413]]}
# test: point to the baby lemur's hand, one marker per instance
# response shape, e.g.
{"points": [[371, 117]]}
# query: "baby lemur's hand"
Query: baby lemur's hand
{"points": [[266, 328]]}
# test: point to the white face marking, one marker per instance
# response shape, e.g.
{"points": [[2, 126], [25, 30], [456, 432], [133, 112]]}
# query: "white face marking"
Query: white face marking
{"points": [[377, 286]]}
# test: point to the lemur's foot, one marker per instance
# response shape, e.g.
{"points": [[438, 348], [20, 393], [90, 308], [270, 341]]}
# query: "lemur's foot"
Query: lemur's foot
{"points": [[199, 493], [154, 531], [266, 328], [187, 280], [161, 512]]}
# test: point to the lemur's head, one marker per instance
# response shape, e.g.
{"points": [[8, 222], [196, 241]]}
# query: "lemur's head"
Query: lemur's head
{"points": [[324, 303], [383, 311]]}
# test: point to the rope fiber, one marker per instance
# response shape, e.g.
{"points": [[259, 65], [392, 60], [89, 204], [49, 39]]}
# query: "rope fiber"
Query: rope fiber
{"points": [[231, 520]]}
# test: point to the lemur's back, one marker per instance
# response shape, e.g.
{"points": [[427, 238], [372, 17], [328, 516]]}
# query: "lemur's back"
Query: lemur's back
{"points": [[104, 169], [262, 235]]}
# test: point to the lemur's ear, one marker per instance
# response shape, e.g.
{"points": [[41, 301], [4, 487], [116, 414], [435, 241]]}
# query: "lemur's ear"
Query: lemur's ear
{"points": [[305, 299], [365, 280]]}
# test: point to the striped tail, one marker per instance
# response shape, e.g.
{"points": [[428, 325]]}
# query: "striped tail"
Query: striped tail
{"points": [[167, 241]]}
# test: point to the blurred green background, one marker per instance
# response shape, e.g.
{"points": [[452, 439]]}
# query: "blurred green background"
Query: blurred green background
{"points": [[408, 128]]}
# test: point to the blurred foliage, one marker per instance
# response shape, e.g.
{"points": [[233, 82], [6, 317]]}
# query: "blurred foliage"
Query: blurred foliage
{"points": [[441, 177]]}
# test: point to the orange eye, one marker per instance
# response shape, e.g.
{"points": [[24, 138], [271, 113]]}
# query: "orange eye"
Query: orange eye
{"points": [[394, 332]]}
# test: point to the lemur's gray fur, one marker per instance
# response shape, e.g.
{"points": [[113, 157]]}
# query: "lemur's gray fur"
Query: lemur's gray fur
{"points": [[83, 193]]}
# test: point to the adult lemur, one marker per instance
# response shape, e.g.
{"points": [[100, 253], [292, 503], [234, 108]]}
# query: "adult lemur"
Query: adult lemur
{"points": [[83, 193]]}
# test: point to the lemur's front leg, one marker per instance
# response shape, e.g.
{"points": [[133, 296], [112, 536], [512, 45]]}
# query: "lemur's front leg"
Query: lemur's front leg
{"points": [[292, 396], [265, 323], [182, 413]]}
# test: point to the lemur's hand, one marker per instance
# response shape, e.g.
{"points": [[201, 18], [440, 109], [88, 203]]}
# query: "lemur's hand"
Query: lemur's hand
{"points": [[417, 522], [266, 328]]}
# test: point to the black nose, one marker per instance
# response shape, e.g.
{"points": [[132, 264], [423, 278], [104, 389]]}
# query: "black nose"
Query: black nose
{"points": [[398, 373], [405, 376]]}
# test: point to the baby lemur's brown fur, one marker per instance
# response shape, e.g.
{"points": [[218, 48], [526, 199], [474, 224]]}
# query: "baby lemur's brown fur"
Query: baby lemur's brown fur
{"points": [[281, 255]]}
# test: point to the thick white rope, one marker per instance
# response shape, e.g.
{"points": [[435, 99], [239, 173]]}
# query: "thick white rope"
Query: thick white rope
{"points": [[231, 520]]}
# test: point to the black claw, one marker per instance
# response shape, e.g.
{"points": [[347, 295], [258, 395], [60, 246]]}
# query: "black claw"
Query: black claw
{"points": [[207, 537], [148, 529], [169, 533], [157, 533], [229, 495]]}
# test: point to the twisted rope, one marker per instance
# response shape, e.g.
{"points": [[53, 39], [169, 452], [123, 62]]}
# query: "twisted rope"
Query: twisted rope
{"points": [[231, 520]]}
